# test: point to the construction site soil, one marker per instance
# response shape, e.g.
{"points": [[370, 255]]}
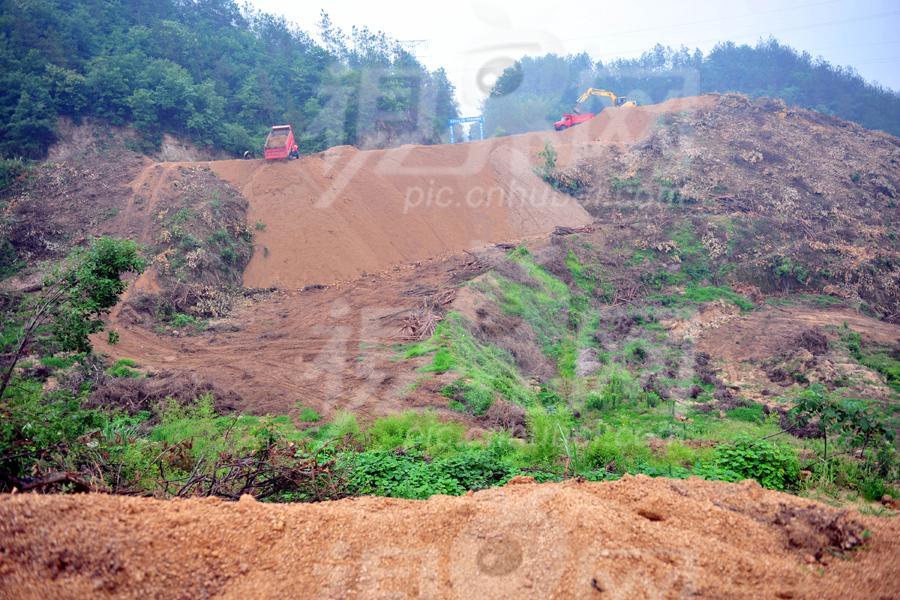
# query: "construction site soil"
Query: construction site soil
{"points": [[348, 242], [634, 538]]}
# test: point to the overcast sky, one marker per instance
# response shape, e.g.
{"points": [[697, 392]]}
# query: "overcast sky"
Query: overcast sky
{"points": [[473, 39]]}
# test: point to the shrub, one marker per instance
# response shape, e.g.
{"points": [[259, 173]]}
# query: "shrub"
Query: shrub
{"points": [[636, 351], [750, 414], [308, 415], [422, 432], [123, 368], [344, 426], [621, 450], [711, 293], [548, 434], [395, 475], [773, 466], [618, 387], [10, 170], [548, 156]]}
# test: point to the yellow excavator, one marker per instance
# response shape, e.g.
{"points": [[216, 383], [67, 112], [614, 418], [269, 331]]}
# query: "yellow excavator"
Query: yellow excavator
{"points": [[616, 100], [576, 117]]}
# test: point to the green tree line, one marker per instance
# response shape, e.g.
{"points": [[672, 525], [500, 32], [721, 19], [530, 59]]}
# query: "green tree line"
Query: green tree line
{"points": [[209, 71], [535, 91]]}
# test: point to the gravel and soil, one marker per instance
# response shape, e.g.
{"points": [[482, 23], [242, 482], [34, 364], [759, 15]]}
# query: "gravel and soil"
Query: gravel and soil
{"points": [[634, 538]]}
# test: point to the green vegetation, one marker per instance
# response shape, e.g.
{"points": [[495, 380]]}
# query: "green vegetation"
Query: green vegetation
{"points": [[69, 307], [548, 166], [583, 278], [878, 358], [531, 94], [630, 185], [710, 293], [189, 322], [210, 72], [773, 466], [10, 170], [308, 415], [123, 368], [484, 371]]}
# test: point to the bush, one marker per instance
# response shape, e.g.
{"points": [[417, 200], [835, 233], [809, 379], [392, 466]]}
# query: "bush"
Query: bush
{"points": [[308, 415], [10, 170], [548, 434], [618, 387], [711, 293], [344, 426], [636, 351], [123, 368], [384, 473], [621, 450], [749, 414], [775, 467], [414, 431]]}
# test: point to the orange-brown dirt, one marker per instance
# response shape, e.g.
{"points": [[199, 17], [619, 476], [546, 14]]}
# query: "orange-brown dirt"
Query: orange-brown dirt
{"points": [[332, 216], [329, 349], [763, 333], [634, 538]]}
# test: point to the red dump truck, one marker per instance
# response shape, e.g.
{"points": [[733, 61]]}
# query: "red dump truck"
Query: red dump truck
{"points": [[570, 120], [280, 143]]}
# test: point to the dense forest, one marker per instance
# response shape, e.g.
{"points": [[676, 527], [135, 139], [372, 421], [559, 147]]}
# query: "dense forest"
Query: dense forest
{"points": [[209, 71], [534, 92], [221, 74]]}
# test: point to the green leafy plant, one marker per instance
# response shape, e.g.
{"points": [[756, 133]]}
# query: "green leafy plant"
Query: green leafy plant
{"points": [[773, 466], [123, 368], [549, 156], [308, 415], [74, 297]]}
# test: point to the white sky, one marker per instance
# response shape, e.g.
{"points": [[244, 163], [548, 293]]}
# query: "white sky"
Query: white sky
{"points": [[473, 39]]}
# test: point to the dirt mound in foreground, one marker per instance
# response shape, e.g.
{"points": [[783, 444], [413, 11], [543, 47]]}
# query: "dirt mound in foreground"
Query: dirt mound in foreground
{"points": [[634, 538]]}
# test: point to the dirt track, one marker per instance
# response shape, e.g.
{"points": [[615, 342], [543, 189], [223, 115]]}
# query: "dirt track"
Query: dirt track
{"points": [[635, 538], [763, 333], [329, 349], [332, 216]]}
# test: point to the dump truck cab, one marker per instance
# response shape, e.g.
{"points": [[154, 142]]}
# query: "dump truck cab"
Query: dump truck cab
{"points": [[279, 142], [568, 120]]}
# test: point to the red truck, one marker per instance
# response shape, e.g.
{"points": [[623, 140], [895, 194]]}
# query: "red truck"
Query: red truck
{"points": [[568, 120], [280, 143]]}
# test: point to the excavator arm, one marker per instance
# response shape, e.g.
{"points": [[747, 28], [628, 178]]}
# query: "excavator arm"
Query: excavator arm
{"points": [[595, 92], [616, 100]]}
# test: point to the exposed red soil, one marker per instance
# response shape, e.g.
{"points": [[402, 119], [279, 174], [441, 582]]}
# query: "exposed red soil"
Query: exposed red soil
{"points": [[334, 215], [635, 538], [328, 349], [762, 334]]}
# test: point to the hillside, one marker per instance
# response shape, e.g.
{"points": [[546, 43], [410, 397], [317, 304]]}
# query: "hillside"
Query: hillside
{"points": [[215, 72], [701, 289], [531, 94]]}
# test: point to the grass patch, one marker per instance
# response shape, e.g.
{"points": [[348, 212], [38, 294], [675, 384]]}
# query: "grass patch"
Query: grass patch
{"points": [[485, 371], [583, 278], [711, 293], [123, 368]]}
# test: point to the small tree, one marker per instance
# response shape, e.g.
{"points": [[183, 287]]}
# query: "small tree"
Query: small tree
{"points": [[851, 421], [549, 156], [73, 299]]}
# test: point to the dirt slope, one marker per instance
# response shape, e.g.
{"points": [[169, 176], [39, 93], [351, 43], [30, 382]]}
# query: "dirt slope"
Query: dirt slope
{"points": [[331, 349], [635, 538], [331, 216]]}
